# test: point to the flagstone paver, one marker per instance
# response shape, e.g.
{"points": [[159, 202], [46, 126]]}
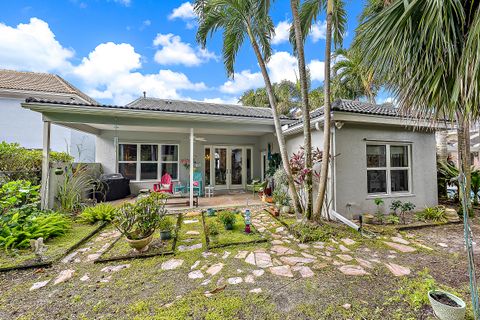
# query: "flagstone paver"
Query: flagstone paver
{"points": [[292, 261], [195, 265], [172, 264], [364, 263], [400, 240], [196, 274], [304, 271], [190, 248], [281, 250], [258, 273], [256, 290], [397, 270], [352, 270], [345, 257], [214, 269], [235, 280], [348, 241], [400, 247], [115, 268], [38, 285], [249, 279], [283, 271], [241, 255], [64, 275], [343, 248]]}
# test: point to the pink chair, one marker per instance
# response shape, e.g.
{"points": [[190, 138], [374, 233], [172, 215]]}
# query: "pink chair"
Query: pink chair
{"points": [[165, 185]]}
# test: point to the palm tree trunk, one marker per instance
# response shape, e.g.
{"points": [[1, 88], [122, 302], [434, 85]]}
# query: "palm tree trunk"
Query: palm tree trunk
{"points": [[463, 137], [307, 135], [327, 118], [276, 119]]}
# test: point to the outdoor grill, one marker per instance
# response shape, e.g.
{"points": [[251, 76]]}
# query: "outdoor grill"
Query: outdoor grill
{"points": [[113, 187]]}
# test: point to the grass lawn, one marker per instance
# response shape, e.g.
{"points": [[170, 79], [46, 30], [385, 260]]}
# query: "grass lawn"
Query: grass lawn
{"points": [[235, 236], [57, 248]]}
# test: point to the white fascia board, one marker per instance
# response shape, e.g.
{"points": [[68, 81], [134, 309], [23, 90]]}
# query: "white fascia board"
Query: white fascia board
{"points": [[125, 112]]}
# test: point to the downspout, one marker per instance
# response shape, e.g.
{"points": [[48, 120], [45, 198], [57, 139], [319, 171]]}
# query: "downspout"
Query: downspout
{"points": [[333, 166]]}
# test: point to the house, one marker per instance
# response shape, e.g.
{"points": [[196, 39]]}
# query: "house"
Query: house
{"points": [[378, 152], [24, 126]]}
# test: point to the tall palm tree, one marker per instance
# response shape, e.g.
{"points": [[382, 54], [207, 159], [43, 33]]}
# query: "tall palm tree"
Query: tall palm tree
{"points": [[307, 134], [239, 19], [336, 22]]}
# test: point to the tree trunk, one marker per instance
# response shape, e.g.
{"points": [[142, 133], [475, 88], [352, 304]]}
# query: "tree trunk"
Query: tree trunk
{"points": [[327, 121], [463, 136], [276, 119], [305, 109]]}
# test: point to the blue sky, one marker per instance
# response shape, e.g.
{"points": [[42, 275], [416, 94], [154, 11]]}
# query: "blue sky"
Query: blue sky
{"points": [[115, 49]]}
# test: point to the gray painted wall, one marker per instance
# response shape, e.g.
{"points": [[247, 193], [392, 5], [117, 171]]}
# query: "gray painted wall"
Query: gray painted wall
{"points": [[351, 167], [105, 150], [26, 127]]}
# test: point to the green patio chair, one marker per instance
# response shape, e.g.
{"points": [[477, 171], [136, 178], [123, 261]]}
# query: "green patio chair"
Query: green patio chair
{"points": [[197, 184], [257, 186]]}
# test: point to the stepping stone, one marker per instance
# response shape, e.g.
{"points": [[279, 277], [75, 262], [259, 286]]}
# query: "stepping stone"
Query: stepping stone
{"points": [[235, 280], [193, 233], [171, 264], [239, 271], [38, 285], [104, 248], [391, 256], [197, 274], [83, 250], [443, 245], [304, 271], [241, 255], [319, 266], [226, 255], [345, 257], [306, 255], [190, 248], [343, 248], [292, 261], [281, 250], [263, 260], [214, 269], [115, 268], [251, 259], [348, 241], [338, 263], [64, 275], [400, 247], [86, 277], [205, 282], [195, 265], [70, 257], [303, 246], [397, 270], [277, 242], [92, 257], [351, 270], [375, 260], [256, 290], [329, 248], [106, 279], [400, 240], [347, 306], [364, 263], [282, 271], [423, 246], [249, 279], [190, 221], [258, 273], [208, 254], [280, 229]]}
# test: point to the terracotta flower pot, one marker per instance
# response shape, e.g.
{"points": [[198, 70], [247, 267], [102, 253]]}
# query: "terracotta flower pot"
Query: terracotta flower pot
{"points": [[140, 245]]}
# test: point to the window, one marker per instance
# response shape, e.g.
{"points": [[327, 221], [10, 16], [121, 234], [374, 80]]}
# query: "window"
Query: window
{"points": [[147, 161], [388, 168]]}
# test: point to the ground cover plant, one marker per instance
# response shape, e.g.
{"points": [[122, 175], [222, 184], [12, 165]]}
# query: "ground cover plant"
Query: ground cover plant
{"points": [[99, 212]]}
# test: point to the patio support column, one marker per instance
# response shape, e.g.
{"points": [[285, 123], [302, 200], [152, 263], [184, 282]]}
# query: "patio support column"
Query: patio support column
{"points": [[191, 166], [45, 194]]}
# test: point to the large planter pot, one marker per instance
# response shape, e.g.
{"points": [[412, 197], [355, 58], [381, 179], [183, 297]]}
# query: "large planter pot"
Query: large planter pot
{"points": [[444, 311], [368, 218], [142, 244], [228, 226], [165, 234]]}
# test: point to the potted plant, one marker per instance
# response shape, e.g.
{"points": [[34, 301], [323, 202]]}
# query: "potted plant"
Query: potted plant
{"points": [[165, 226], [228, 219], [446, 306], [137, 222]]}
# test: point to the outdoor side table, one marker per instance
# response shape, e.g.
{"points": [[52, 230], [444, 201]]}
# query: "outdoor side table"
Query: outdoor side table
{"points": [[209, 191]]}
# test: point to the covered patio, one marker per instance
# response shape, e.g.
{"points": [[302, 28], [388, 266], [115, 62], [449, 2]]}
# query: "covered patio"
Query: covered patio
{"points": [[223, 147]]}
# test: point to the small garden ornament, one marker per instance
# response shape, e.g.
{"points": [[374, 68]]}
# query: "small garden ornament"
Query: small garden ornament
{"points": [[247, 221]]}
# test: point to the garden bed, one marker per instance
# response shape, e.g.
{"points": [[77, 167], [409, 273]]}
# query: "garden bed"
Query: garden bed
{"points": [[236, 236], [57, 248], [121, 250]]}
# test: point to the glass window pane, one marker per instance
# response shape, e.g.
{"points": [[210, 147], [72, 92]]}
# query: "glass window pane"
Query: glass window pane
{"points": [[236, 166], [129, 170], [399, 180], [169, 153], [171, 169], [377, 181], [249, 165], [207, 166], [148, 171], [376, 156], [220, 166], [149, 152], [127, 152], [398, 156]]}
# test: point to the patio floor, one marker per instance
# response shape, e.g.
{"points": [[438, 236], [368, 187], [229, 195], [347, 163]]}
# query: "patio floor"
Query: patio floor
{"points": [[227, 198]]}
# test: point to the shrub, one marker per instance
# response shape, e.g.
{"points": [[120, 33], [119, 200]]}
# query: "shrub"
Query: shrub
{"points": [[227, 217], [165, 224], [16, 194], [212, 229], [379, 214], [436, 214], [392, 219], [395, 206], [100, 212]]}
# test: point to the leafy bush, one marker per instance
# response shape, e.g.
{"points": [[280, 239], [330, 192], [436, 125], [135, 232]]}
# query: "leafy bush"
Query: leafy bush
{"points": [[15, 194], [436, 214], [100, 212], [165, 224], [379, 214], [227, 217], [395, 206], [392, 219], [17, 163], [212, 229], [307, 232], [281, 197]]}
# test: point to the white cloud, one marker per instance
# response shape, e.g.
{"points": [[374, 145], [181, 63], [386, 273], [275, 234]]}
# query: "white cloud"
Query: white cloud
{"points": [[282, 32], [318, 31], [229, 100], [32, 46], [283, 66], [242, 81], [126, 3], [186, 13], [317, 70], [173, 51]]}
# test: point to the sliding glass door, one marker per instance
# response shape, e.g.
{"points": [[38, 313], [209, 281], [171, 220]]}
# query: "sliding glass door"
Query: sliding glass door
{"points": [[229, 167]]}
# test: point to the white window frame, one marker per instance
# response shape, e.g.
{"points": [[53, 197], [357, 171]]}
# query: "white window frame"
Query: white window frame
{"points": [[388, 169], [159, 162]]}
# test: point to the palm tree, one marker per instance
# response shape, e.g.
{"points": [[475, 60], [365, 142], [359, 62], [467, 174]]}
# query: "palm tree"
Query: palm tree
{"points": [[336, 21], [240, 19], [352, 79], [316, 98]]}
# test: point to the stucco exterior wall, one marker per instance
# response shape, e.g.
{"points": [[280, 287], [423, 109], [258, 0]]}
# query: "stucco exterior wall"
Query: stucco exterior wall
{"points": [[25, 127], [105, 150], [351, 168]]}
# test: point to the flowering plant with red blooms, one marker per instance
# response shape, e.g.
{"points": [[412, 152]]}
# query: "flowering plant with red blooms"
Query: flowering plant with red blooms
{"points": [[185, 163], [297, 165]]}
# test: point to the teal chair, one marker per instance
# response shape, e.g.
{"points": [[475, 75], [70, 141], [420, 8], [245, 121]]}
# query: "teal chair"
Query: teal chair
{"points": [[197, 183]]}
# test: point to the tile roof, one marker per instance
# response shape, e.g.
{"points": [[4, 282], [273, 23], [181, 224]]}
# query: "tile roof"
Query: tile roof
{"points": [[43, 83], [180, 106]]}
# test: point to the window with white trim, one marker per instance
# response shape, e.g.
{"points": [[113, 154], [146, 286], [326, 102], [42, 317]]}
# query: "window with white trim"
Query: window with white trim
{"points": [[142, 162], [388, 168]]}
